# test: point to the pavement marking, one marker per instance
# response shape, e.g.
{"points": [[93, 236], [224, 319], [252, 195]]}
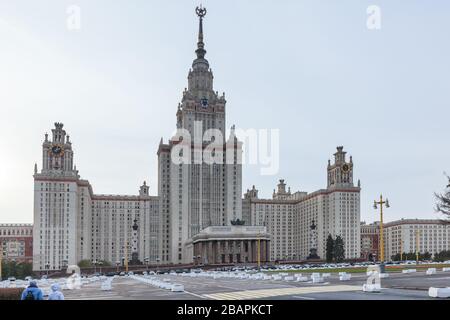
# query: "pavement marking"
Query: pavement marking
{"points": [[305, 298], [195, 295], [265, 293]]}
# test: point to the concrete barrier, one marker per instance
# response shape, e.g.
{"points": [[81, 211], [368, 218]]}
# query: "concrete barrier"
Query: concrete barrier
{"points": [[106, 286], [371, 287], [383, 275], [345, 277], [326, 275], [316, 278], [431, 271], [276, 277], [289, 278], [267, 277], [409, 271], [301, 279], [439, 292], [177, 288], [446, 269]]}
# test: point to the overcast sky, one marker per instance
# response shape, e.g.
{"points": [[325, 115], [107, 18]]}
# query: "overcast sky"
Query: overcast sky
{"points": [[309, 68]]}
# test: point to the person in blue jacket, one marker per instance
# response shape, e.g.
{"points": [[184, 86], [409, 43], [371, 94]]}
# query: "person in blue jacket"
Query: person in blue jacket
{"points": [[56, 293], [32, 292]]}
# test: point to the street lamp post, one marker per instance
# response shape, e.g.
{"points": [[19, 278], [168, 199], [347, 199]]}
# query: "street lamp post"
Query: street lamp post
{"points": [[47, 267], [375, 206], [117, 265], [417, 245], [100, 263], [401, 250], [147, 260], [65, 264], [94, 262], [1, 261]]}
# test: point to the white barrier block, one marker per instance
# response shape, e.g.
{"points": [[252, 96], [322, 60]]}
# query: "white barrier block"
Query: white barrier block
{"points": [[301, 279], [383, 275], [177, 288], [297, 275], [106, 286], [276, 277], [439, 292], [326, 275], [371, 287], [267, 277], [446, 269], [317, 279], [431, 271], [345, 277], [290, 278], [409, 271]]}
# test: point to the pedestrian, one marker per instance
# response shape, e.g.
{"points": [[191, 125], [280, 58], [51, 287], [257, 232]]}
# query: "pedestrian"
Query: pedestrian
{"points": [[32, 292], [56, 293]]}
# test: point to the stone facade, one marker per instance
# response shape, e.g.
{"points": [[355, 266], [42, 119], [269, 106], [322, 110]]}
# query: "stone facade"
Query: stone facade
{"points": [[370, 235], [288, 216], [16, 242], [231, 244], [431, 235]]}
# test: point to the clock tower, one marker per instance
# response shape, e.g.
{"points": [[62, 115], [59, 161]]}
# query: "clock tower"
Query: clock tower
{"points": [[340, 174], [57, 154]]}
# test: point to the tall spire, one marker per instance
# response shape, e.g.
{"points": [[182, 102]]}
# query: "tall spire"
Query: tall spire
{"points": [[201, 12]]}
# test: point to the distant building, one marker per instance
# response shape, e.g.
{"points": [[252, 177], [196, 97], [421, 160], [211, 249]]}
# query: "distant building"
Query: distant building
{"points": [[289, 216], [370, 234], [411, 235], [16, 242]]}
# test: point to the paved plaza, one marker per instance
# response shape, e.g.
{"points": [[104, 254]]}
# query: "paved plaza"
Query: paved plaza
{"points": [[397, 286]]}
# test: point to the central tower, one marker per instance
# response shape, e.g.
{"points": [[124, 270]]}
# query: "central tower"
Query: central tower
{"points": [[198, 194], [200, 103]]}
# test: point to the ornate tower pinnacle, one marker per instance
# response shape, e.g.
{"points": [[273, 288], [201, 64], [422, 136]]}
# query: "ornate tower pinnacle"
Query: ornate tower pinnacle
{"points": [[201, 13]]}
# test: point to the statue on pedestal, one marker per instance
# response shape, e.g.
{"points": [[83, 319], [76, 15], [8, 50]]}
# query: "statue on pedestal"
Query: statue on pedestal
{"points": [[313, 242], [135, 251]]}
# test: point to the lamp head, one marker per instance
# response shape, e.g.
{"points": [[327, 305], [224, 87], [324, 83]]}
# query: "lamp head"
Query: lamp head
{"points": [[387, 203], [375, 205]]}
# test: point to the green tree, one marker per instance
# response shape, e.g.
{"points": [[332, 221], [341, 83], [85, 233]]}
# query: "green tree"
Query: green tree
{"points": [[339, 251], [442, 256], [85, 264], [330, 249], [443, 201], [11, 268], [396, 257]]}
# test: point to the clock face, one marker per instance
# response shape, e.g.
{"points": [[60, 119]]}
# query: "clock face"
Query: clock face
{"points": [[204, 102], [345, 168], [57, 150]]}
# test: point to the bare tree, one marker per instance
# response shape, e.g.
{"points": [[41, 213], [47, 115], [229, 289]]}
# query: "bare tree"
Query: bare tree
{"points": [[443, 200]]}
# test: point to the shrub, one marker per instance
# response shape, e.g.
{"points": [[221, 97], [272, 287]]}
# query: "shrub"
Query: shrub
{"points": [[10, 293]]}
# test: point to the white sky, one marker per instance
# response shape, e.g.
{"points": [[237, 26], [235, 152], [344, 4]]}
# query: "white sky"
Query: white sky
{"points": [[309, 68]]}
